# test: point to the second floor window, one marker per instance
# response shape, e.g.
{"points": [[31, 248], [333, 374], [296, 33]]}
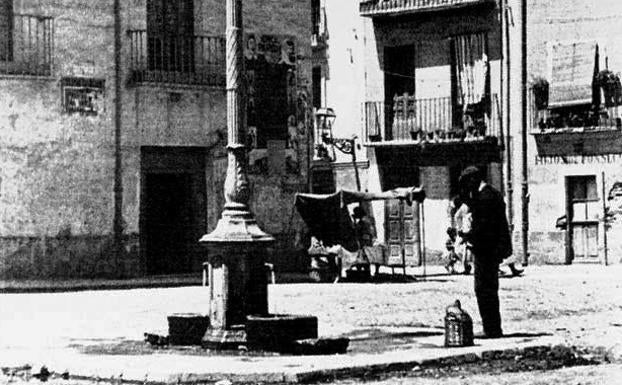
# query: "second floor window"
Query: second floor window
{"points": [[170, 34]]}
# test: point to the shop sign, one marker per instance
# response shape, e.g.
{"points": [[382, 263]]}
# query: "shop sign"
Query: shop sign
{"points": [[578, 159]]}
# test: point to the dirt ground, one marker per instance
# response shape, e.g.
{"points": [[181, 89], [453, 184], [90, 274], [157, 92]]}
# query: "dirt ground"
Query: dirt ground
{"points": [[579, 303]]}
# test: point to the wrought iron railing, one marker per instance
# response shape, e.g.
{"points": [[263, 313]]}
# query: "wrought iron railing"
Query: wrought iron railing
{"points": [[27, 45], [191, 60], [409, 119], [572, 118]]}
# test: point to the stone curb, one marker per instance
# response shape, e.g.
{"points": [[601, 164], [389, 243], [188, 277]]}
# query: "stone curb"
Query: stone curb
{"points": [[353, 371]]}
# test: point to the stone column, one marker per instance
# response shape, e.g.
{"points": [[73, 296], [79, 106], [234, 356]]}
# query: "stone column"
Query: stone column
{"points": [[236, 249]]}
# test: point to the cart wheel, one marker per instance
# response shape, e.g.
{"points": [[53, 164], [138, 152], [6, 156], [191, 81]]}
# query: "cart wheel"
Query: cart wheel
{"points": [[315, 276]]}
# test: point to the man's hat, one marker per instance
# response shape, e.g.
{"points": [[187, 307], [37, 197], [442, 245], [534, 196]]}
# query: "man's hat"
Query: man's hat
{"points": [[470, 173]]}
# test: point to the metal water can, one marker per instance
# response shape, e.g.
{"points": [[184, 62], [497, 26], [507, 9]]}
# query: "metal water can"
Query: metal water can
{"points": [[458, 326]]}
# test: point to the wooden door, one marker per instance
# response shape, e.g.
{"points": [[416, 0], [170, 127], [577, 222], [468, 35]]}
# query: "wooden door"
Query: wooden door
{"points": [[402, 233], [583, 211]]}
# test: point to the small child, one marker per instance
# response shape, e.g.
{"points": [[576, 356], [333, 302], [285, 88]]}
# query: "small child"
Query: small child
{"points": [[463, 221], [450, 255]]}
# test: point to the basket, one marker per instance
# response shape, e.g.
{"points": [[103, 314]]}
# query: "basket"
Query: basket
{"points": [[458, 327]]}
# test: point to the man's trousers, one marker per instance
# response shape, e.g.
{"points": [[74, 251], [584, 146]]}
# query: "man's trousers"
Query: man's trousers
{"points": [[487, 294]]}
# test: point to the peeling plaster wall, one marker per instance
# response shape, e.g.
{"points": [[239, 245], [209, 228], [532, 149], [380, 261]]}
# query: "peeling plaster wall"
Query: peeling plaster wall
{"points": [[57, 170]]}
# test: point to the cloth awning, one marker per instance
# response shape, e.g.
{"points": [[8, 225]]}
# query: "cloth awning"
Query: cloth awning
{"points": [[572, 73], [396, 7], [328, 218], [471, 67]]}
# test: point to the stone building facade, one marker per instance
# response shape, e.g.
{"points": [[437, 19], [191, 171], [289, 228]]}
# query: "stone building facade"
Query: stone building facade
{"points": [[57, 132], [573, 150], [396, 77], [574, 143]]}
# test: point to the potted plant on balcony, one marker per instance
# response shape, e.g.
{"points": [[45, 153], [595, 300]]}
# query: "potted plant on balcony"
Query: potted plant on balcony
{"points": [[541, 93], [612, 89]]}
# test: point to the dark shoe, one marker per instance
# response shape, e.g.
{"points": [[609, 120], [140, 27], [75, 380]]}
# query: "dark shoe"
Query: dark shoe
{"points": [[484, 336], [515, 272]]}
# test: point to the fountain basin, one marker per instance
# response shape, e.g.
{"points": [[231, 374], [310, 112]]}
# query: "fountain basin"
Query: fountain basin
{"points": [[276, 332], [187, 328]]}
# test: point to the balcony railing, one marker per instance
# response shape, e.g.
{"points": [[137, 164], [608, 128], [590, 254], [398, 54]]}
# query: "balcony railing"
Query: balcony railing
{"points": [[27, 46], [189, 60], [577, 118], [409, 120]]}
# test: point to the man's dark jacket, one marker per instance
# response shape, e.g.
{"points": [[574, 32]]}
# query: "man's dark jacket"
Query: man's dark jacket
{"points": [[490, 234]]}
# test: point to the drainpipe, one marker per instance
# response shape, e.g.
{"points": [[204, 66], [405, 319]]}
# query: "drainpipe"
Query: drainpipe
{"points": [[505, 12], [525, 124], [117, 227]]}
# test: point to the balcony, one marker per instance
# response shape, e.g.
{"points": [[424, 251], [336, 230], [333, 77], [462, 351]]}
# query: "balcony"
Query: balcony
{"points": [[575, 129], [372, 8], [176, 60], [409, 121], [27, 46]]}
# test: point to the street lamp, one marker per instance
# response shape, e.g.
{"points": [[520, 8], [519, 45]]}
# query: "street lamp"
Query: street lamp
{"points": [[325, 118]]}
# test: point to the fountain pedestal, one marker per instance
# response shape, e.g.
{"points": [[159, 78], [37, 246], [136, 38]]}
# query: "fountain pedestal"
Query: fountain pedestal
{"points": [[238, 287], [236, 249]]}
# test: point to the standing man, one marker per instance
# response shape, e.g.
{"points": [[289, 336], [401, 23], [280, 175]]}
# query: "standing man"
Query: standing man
{"points": [[490, 242]]}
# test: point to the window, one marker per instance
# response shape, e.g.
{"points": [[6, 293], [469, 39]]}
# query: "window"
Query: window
{"points": [[6, 30], [82, 95], [583, 197], [170, 34], [471, 81], [399, 71]]}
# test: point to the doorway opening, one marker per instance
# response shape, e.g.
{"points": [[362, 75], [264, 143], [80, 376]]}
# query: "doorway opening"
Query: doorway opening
{"points": [[582, 210], [173, 209]]}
